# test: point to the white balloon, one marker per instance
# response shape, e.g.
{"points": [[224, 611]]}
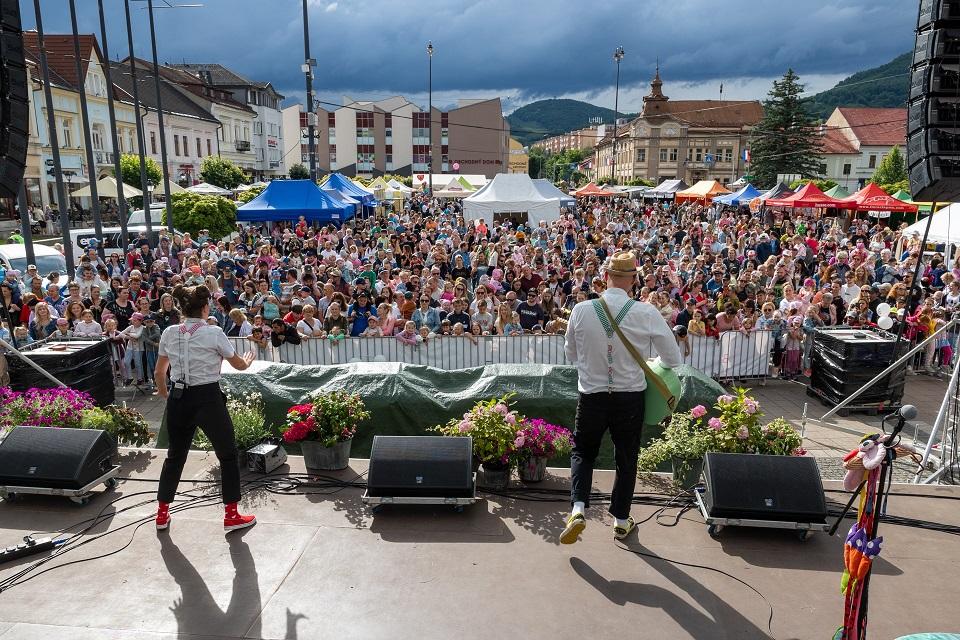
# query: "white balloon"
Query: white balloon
{"points": [[883, 309], [885, 322]]}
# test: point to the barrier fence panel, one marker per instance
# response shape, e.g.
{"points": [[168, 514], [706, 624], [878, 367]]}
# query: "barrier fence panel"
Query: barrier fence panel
{"points": [[242, 346], [734, 355]]}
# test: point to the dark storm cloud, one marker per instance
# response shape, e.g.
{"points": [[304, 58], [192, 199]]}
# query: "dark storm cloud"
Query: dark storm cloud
{"points": [[536, 47]]}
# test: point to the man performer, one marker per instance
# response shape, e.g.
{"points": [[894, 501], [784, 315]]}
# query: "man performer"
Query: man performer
{"points": [[611, 385]]}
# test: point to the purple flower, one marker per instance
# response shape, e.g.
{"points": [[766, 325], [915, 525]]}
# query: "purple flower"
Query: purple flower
{"points": [[743, 433], [725, 399], [715, 423], [698, 411], [750, 406]]}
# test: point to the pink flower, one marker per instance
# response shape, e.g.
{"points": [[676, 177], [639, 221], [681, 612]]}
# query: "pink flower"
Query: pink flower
{"points": [[725, 399], [799, 451], [518, 443], [464, 426], [715, 423], [750, 406], [502, 408], [743, 433], [510, 418], [698, 411]]}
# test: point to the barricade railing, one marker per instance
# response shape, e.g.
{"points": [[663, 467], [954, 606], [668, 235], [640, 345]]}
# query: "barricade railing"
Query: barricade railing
{"points": [[733, 356]]}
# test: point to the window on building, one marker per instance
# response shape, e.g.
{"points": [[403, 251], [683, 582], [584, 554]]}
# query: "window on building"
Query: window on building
{"points": [[66, 127], [333, 157], [209, 152], [698, 154], [823, 168], [689, 154], [97, 138], [728, 155], [258, 128], [186, 147], [846, 169], [674, 154], [199, 149], [873, 162], [130, 147], [176, 145], [389, 159], [246, 133], [641, 155], [153, 142], [663, 155], [236, 132]]}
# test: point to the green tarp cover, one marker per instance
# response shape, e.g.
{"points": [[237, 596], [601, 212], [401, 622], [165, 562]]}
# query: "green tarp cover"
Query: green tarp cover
{"points": [[408, 399]]}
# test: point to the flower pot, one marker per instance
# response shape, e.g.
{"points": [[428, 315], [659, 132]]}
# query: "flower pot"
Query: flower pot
{"points": [[317, 456], [494, 475], [686, 472], [533, 469]]}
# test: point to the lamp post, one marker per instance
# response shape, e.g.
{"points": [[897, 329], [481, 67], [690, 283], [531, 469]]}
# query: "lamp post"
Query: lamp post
{"points": [[307, 67], [114, 137], [430, 113], [141, 134], [618, 56]]}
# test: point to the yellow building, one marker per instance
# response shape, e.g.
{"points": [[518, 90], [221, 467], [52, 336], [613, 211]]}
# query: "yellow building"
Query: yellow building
{"points": [[519, 159]]}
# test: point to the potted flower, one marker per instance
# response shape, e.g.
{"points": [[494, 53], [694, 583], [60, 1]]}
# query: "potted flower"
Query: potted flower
{"points": [[249, 424], [685, 440], [55, 407], [538, 441], [126, 425], [493, 427], [324, 426]]}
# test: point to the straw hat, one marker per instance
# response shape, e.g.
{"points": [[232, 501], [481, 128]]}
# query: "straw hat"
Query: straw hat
{"points": [[622, 264]]}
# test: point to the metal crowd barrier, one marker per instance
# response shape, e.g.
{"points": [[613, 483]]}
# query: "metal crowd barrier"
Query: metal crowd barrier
{"points": [[732, 356]]}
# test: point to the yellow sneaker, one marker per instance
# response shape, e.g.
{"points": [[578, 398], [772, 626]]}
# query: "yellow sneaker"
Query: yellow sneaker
{"points": [[622, 532], [576, 523]]}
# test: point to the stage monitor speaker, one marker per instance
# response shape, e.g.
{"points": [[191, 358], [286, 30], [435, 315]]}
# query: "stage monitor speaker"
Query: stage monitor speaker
{"points": [[421, 466], [14, 107], [757, 487], [933, 153], [55, 458]]}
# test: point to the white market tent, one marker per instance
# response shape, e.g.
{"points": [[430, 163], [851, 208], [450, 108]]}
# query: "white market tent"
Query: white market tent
{"points": [[207, 189], [440, 179], [511, 193], [107, 188], [548, 189], [454, 189], [944, 229]]}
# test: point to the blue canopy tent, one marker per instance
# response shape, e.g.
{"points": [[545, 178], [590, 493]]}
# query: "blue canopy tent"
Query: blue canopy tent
{"points": [[742, 197], [347, 187], [290, 199], [353, 204]]}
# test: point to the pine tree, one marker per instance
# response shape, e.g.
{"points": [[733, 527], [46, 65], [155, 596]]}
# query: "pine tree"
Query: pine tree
{"points": [[786, 141]]}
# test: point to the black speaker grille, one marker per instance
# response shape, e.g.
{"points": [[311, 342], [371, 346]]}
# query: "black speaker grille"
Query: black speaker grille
{"points": [[13, 100], [779, 488], [427, 466], [54, 458]]}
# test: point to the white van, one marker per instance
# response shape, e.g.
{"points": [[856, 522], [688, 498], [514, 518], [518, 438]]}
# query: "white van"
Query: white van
{"points": [[156, 212], [112, 238], [14, 256]]}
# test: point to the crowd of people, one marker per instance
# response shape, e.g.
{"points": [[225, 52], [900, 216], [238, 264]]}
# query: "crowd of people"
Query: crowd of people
{"points": [[421, 273]]}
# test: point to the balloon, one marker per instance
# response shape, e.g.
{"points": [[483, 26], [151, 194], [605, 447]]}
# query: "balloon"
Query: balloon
{"points": [[883, 309], [885, 322]]}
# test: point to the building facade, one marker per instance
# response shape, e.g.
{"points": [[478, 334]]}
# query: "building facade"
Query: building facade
{"points": [[519, 161], [584, 139], [393, 136], [679, 139], [857, 139]]}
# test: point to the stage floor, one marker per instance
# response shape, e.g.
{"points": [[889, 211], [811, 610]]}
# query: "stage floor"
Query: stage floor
{"points": [[321, 566]]}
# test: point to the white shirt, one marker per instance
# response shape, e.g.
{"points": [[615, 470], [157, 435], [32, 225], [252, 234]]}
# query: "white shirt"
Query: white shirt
{"points": [[586, 344], [87, 329], [208, 347], [849, 292]]}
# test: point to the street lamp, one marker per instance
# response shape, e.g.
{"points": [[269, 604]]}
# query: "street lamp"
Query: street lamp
{"points": [[307, 68], [618, 56], [430, 113]]}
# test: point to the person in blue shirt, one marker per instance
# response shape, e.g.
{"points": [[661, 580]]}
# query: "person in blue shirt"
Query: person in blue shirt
{"points": [[425, 315], [359, 314]]}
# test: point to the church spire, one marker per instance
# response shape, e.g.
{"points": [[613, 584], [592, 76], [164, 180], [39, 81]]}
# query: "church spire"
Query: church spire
{"points": [[653, 102]]}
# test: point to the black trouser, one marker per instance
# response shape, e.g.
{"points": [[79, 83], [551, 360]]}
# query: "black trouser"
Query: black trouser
{"points": [[622, 414], [202, 406]]}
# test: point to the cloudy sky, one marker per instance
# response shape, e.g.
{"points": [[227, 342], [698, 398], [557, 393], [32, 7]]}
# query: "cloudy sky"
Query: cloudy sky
{"points": [[520, 50]]}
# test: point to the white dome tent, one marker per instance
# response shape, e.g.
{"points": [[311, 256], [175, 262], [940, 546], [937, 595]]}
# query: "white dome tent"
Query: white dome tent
{"points": [[511, 194]]}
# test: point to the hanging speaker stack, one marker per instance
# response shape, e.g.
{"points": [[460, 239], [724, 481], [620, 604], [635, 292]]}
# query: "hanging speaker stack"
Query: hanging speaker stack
{"points": [[14, 119], [933, 124]]}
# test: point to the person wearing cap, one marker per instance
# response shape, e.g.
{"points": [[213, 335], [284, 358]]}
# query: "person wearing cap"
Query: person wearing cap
{"points": [[360, 312], [611, 387]]}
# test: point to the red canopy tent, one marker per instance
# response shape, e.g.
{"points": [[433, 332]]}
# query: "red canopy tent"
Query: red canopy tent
{"points": [[873, 198], [807, 197], [592, 190]]}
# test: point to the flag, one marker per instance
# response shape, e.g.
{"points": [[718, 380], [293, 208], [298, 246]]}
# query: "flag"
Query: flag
{"points": [[746, 155]]}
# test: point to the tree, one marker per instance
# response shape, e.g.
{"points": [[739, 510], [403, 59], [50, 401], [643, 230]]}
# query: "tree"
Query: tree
{"points": [[193, 212], [891, 174], [538, 161], [299, 172], [786, 140], [130, 170], [246, 196], [221, 172]]}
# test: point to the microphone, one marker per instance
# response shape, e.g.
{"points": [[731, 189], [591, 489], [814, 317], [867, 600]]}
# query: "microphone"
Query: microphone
{"points": [[907, 412]]}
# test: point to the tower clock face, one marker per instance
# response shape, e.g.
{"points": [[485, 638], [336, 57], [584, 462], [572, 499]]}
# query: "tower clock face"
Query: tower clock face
{"points": [[670, 131]]}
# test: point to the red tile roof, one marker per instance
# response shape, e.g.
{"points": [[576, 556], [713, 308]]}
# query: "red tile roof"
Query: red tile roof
{"points": [[715, 113], [876, 126], [60, 57], [834, 142]]}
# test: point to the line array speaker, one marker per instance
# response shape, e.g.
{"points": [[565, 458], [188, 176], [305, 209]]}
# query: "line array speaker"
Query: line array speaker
{"points": [[14, 109], [933, 121]]}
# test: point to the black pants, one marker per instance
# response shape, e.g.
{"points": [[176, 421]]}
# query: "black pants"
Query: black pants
{"points": [[202, 406], [622, 414]]}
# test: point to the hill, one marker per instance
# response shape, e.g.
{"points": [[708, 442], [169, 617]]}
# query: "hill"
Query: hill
{"points": [[545, 118], [883, 86]]}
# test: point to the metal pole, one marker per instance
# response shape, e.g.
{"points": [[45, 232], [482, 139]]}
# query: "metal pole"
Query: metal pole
{"points": [[114, 136], [85, 117], [948, 398], [430, 113], [54, 144], [141, 134], [897, 363], [916, 279], [618, 56], [163, 134], [25, 221], [311, 112]]}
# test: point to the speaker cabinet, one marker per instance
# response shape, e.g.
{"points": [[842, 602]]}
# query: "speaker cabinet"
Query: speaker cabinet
{"points": [[14, 119], [421, 466], [48, 457], [755, 487], [933, 153]]}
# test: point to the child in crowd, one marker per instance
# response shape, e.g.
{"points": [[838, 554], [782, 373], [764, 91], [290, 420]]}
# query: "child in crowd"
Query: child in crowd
{"points": [[133, 357], [425, 334], [696, 326], [409, 333], [86, 327], [22, 335], [794, 348], [373, 328], [62, 330], [151, 344], [680, 333], [256, 337], [513, 327]]}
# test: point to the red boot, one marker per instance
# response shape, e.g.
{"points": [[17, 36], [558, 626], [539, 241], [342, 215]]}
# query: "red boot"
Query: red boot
{"points": [[232, 521], [163, 516]]}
